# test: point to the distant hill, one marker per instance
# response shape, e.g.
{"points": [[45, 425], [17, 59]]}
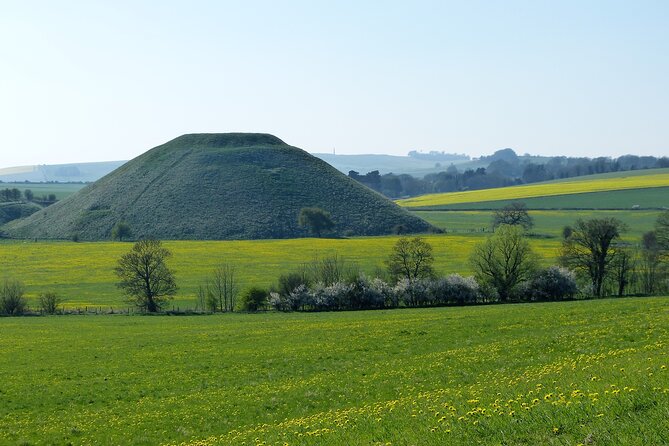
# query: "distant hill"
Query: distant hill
{"points": [[62, 173], [393, 164], [217, 186]]}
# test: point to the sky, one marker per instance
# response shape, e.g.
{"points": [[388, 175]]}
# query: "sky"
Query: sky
{"points": [[93, 81]]}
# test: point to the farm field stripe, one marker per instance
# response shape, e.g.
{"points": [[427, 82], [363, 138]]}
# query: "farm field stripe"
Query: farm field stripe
{"points": [[538, 190]]}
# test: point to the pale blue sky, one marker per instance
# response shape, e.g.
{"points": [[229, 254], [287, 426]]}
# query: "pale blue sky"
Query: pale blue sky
{"points": [[89, 81]]}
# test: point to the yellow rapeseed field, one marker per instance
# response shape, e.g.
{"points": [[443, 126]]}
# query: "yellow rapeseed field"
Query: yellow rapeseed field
{"points": [[577, 186]]}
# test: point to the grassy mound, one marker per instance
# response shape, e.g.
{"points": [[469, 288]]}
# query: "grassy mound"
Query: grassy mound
{"points": [[217, 186]]}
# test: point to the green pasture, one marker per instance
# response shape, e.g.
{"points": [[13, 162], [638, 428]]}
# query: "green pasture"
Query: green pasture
{"points": [[548, 223], [82, 273], [579, 185], [645, 199], [61, 190], [584, 372]]}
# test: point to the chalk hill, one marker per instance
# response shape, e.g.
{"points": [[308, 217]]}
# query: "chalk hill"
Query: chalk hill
{"points": [[217, 186]]}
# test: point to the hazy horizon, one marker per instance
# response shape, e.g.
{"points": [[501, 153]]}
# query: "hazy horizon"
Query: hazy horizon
{"points": [[95, 81]]}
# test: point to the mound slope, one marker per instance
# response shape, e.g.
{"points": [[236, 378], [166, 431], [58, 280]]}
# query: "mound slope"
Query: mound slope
{"points": [[217, 186]]}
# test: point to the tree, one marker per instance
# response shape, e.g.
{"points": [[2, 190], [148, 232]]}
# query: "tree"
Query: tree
{"points": [[144, 276], [662, 231], [623, 270], [48, 302], [411, 259], [650, 263], [253, 299], [591, 248], [225, 287], [503, 261], [28, 194], [12, 301], [120, 231], [513, 214], [316, 219]]}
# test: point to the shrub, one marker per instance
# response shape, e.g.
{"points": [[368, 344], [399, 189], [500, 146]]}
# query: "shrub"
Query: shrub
{"points": [[455, 289], [253, 299], [11, 298], [48, 302], [413, 293], [553, 283]]}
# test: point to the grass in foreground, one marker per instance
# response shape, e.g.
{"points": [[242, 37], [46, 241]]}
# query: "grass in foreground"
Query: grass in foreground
{"points": [[576, 186], [591, 372]]}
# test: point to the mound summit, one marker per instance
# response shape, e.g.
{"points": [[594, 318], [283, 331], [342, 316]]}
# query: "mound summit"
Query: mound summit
{"points": [[214, 187]]}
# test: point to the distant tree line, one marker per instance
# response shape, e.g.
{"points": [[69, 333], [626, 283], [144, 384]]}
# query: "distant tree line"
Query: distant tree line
{"points": [[505, 168], [27, 195]]}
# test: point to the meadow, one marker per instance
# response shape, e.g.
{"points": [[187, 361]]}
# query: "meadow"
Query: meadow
{"points": [[579, 185], [652, 198], [582, 372], [546, 222], [82, 273]]}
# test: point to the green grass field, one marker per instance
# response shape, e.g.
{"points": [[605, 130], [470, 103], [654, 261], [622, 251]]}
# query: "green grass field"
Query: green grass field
{"points": [[545, 222], [585, 372], [82, 273], [646, 199], [542, 190], [61, 190]]}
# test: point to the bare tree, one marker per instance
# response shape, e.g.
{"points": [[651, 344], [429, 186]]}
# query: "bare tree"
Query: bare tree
{"points": [[623, 270], [12, 301], [650, 265], [225, 287], [411, 259], [514, 214], [592, 247], [662, 231], [144, 276], [503, 261]]}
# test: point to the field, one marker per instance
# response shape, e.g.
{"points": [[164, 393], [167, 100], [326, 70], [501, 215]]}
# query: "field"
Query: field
{"points": [[61, 190], [83, 274], [585, 372], [545, 222], [581, 185], [645, 199]]}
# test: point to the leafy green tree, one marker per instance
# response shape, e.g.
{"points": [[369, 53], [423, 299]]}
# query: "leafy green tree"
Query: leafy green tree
{"points": [[503, 261], [144, 276], [28, 194], [120, 231], [316, 219], [591, 248], [411, 259], [253, 299]]}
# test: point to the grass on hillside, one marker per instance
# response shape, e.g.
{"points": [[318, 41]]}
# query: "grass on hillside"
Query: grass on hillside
{"points": [[576, 186], [82, 273], [591, 372], [545, 222]]}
